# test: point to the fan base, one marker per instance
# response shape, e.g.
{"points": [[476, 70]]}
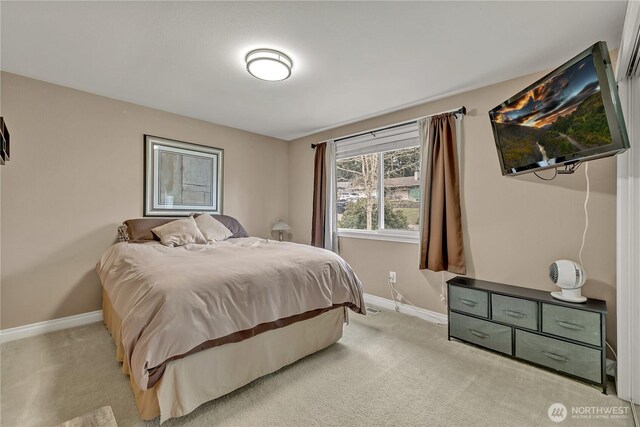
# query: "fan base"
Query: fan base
{"points": [[564, 297]]}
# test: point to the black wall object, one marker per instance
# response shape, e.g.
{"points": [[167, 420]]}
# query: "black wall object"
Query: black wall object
{"points": [[5, 142]]}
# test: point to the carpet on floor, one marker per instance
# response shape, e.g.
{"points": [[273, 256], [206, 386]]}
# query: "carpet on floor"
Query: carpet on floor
{"points": [[388, 369], [101, 417]]}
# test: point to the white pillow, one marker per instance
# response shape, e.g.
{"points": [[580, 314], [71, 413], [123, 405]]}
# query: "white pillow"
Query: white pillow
{"points": [[212, 229], [179, 232]]}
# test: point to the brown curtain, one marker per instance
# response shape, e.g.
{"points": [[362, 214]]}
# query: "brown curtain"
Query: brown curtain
{"points": [[319, 196], [441, 244]]}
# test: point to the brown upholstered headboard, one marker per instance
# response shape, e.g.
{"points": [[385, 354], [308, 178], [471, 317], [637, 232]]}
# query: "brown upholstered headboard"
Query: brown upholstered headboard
{"points": [[139, 229]]}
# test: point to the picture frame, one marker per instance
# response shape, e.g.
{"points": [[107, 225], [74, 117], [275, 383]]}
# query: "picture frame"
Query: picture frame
{"points": [[5, 142], [181, 178]]}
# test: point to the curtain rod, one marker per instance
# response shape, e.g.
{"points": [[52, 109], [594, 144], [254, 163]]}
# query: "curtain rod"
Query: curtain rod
{"points": [[462, 111]]}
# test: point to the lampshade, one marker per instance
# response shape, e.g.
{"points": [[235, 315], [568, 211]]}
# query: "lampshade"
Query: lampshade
{"points": [[268, 64], [280, 226]]}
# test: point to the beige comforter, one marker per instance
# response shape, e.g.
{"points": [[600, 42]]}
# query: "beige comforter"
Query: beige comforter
{"points": [[172, 300]]}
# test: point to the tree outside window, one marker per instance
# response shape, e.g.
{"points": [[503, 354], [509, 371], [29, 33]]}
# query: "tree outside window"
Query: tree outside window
{"points": [[358, 180]]}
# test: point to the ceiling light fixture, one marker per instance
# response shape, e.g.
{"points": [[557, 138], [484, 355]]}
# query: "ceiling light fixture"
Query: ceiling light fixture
{"points": [[268, 64]]}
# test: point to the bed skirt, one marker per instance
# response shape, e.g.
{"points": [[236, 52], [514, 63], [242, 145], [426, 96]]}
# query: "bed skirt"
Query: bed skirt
{"points": [[188, 383]]}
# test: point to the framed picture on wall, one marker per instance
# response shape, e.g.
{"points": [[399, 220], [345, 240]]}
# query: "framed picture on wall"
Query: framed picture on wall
{"points": [[4, 142], [181, 178]]}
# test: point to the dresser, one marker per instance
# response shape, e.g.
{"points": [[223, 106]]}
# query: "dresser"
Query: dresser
{"points": [[532, 326]]}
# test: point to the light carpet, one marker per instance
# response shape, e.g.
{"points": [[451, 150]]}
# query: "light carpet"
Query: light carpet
{"points": [[388, 369], [101, 417]]}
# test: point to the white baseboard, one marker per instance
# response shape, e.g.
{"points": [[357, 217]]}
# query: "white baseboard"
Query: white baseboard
{"points": [[40, 328], [428, 315]]}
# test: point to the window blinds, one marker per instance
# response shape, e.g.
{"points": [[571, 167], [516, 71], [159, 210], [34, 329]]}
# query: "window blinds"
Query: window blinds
{"points": [[377, 141]]}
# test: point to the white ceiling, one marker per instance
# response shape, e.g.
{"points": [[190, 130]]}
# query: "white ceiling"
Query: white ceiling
{"points": [[351, 60]]}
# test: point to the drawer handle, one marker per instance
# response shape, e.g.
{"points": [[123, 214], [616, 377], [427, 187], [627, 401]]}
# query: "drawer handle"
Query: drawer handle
{"points": [[515, 314], [479, 334], [556, 357], [468, 302], [569, 325]]}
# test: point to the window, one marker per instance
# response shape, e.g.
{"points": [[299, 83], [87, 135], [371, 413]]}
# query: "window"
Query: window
{"points": [[379, 170], [357, 201], [402, 189]]}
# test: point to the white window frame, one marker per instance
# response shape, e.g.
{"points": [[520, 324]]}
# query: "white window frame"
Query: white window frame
{"points": [[386, 140], [400, 236]]}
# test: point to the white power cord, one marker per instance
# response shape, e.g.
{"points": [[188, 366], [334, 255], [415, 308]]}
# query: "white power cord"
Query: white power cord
{"points": [[398, 298], [612, 351], [393, 295], [584, 233], [586, 213]]}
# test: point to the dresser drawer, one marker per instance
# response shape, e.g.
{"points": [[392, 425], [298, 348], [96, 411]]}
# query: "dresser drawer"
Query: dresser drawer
{"points": [[469, 300], [487, 334], [571, 323], [574, 359], [514, 311]]}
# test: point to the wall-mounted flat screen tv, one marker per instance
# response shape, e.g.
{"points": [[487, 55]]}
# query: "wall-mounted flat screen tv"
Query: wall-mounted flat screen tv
{"points": [[570, 115]]}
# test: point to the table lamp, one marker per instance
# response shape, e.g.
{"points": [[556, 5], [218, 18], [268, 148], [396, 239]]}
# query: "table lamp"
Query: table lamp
{"points": [[280, 227]]}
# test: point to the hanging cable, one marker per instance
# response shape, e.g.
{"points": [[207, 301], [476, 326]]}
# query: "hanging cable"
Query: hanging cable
{"points": [[586, 227], [393, 295], [548, 179], [568, 169], [612, 351], [586, 213], [398, 297]]}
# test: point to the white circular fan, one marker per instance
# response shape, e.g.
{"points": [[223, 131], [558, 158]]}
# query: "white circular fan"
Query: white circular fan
{"points": [[569, 276]]}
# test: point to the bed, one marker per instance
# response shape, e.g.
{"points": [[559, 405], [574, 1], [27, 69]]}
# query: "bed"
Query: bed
{"points": [[195, 322]]}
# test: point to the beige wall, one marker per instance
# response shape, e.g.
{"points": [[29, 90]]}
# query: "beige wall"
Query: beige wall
{"points": [[76, 172], [514, 227]]}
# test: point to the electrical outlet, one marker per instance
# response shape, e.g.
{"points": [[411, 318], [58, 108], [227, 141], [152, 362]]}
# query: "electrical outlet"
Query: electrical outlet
{"points": [[392, 277]]}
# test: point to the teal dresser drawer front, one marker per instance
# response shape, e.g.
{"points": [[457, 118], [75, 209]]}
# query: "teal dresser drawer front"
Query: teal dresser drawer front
{"points": [[487, 334], [574, 359], [514, 311], [571, 323], [468, 300]]}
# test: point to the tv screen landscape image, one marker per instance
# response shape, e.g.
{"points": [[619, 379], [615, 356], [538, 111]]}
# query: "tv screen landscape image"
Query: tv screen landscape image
{"points": [[571, 114]]}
